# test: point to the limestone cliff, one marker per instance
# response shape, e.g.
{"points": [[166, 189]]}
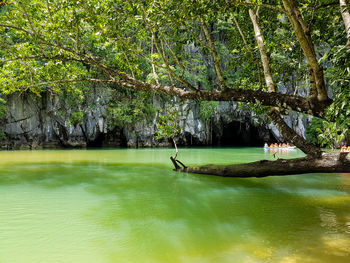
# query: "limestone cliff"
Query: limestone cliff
{"points": [[34, 122]]}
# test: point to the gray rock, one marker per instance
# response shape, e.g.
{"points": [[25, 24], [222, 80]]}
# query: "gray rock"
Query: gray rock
{"points": [[34, 122]]}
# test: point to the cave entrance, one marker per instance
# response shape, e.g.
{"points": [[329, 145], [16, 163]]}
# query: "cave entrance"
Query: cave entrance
{"points": [[97, 142], [238, 133]]}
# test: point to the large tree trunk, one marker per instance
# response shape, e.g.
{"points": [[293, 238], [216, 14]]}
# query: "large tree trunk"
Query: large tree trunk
{"points": [[327, 163], [291, 136], [275, 114], [302, 32], [264, 59]]}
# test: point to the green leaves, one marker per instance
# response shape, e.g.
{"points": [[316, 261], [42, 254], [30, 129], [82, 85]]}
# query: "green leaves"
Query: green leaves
{"points": [[168, 124], [128, 108], [76, 118], [207, 109], [49, 45]]}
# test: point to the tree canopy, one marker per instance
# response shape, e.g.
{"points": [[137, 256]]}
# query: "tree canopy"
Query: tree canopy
{"points": [[244, 50]]}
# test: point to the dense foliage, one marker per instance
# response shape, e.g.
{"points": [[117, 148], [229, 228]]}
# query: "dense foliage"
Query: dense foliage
{"points": [[194, 46], [168, 124]]}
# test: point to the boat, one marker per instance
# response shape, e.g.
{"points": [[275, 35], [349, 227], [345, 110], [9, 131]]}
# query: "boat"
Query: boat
{"points": [[282, 148]]}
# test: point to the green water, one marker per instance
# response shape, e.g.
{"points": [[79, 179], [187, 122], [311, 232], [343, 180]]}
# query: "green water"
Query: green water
{"points": [[129, 206]]}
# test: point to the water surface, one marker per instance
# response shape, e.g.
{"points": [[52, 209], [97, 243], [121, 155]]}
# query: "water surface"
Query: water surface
{"points": [[129, 206]]}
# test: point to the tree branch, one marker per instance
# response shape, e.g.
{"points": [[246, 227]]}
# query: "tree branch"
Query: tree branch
{"points": [[291, 135], [272, 7], [17, 28], [153, 67], [248, 48], [327, 5], [274, 99], [29, 19], [303, 35], [178, 62], [65, 81], [214, 54], [264, 59], [42, 57], [171, 72]]}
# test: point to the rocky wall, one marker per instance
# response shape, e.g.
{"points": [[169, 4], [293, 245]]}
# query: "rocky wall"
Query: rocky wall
{"points": [[34, 122]]}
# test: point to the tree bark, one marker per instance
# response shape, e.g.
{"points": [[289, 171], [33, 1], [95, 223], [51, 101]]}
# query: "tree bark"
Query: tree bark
{"points": [[327, 163], [292, 136], [283, 101], [155, 75], [302, 32], [346, 18], [274, 114], [214, 53], [264, 59]]}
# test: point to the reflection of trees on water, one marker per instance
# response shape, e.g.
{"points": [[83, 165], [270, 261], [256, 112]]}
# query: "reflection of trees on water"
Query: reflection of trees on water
{"points": [[169, 216]]}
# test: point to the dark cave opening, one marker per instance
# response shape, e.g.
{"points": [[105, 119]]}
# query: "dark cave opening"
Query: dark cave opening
{"points": [[238, 133], [97, 142]]}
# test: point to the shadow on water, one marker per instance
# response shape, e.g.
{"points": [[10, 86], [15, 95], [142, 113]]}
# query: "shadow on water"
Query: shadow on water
{"points": [[151, 210]]}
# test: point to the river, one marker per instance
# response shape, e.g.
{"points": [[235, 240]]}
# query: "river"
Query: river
{"points": [[127, 205]]}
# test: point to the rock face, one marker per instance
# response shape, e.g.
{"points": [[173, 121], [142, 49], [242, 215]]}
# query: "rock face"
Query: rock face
{"points": [[45, 122], [34, 122]]}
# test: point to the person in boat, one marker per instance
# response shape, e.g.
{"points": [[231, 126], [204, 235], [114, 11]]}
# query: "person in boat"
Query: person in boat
{"points": [[345, 149]]}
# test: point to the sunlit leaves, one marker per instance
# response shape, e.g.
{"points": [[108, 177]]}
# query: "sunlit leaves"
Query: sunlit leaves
{"points": [[129, 108], [168, 123]]}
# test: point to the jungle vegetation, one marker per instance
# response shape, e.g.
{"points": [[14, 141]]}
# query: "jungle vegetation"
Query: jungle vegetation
{"points": [[205, 50]]}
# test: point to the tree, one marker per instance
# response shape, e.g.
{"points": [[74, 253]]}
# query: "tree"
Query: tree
{"points": [[57, 44], [168, 128]]}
